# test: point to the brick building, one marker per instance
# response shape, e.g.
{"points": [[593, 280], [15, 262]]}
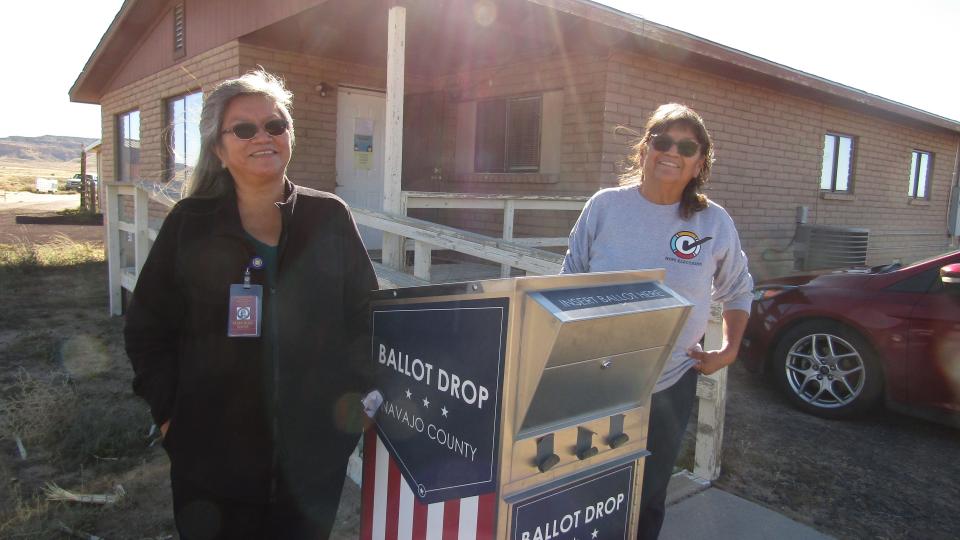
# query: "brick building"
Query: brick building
{"points": [[525, 97]]}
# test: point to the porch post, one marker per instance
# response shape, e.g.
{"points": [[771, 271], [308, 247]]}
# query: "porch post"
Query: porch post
{"points": [[112, 231], [83, 177], [712, 405], [141, 221], [393, 134]]}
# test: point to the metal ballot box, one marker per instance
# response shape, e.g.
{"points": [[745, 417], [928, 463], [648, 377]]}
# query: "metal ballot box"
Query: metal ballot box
{"points": [[515, 408]]}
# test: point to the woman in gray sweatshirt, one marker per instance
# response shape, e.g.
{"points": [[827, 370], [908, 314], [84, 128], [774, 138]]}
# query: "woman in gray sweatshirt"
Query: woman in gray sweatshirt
{"points": [[659, 218]]}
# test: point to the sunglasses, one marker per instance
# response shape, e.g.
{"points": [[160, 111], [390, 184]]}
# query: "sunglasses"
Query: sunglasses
{"points": [[663, 143], [248, 130]]}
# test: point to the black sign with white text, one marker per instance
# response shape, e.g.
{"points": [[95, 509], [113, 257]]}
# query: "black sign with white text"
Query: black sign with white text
{"points": [[440, 370], [595, 508]]}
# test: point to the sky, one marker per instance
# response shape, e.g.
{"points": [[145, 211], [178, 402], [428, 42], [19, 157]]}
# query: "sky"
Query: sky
{"points": [[903, 51]]}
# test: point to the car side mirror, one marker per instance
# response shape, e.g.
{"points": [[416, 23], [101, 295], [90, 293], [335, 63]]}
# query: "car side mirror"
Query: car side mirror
{"points": [[950, 274]]}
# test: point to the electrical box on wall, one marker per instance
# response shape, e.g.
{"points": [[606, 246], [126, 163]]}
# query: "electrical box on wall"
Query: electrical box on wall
{"points": [[953, 221]]}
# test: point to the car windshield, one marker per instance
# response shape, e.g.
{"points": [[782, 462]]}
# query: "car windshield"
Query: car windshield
{"points": [[885, 268], [928, 259]]}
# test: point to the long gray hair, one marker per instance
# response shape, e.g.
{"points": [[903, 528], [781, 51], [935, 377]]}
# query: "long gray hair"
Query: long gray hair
{"points": [[210, 179]]}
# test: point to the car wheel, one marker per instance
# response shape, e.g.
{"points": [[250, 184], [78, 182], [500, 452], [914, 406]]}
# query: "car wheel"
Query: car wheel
{"points": [[827, 369]]}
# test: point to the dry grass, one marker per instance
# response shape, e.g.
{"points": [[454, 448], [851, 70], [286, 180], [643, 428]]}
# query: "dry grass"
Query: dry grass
{"points": [[25, 511], [35, 408], [62, 251], [21, 175], [65, 392]]}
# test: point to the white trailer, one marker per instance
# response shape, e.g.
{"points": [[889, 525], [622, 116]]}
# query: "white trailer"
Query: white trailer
{"points": [[46, 185]]}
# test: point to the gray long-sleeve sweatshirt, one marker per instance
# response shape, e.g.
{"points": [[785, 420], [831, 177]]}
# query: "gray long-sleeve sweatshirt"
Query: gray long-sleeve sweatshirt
{"points": [[620, 229]]}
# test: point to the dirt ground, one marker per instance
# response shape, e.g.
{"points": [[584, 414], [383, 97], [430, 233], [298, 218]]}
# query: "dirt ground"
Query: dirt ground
{"points": [[883, 476], [22, 203]]}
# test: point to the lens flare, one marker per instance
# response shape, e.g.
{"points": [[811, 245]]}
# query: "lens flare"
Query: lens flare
{"points": [[948, 356], [484, 12], [84, 356]]}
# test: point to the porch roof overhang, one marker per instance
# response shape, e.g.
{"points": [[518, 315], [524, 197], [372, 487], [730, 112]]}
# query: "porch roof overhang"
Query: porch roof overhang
{"points": [[447, 37], [130, 23], [682, 47]]}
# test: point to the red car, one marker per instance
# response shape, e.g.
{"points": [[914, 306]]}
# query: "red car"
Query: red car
{"points": [[837, 343]]}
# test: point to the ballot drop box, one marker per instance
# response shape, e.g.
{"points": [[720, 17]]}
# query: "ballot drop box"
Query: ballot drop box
{"points": [[515, 408]]}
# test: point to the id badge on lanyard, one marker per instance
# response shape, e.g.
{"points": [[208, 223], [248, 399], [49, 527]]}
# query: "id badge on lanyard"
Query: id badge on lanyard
{"points": [[246, 305]]}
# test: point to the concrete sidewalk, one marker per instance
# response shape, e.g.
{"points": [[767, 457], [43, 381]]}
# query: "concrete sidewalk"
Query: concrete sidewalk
{"points": [[695, 511]]}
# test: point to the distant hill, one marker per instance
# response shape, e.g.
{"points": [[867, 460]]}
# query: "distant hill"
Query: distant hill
{"points": [[44, 148]]}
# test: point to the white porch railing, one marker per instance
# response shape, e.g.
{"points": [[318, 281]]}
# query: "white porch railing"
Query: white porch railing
{"points": [[508, 251], [508, 204]]}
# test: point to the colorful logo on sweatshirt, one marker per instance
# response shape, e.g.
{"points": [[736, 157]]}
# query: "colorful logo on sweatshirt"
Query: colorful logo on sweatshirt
{"points": [[686, 244]]}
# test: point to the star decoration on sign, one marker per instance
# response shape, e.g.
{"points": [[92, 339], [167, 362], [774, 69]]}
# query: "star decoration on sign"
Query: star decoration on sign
{"points": [[444, 411], [426, 403], [409, 394], [593, 534]]}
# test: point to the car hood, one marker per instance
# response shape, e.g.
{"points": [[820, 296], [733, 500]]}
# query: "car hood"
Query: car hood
{"points": [[852, 277]]}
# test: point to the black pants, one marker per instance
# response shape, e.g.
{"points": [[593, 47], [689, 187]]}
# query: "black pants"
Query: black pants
{"points": [[669, 412], [202, 515]]}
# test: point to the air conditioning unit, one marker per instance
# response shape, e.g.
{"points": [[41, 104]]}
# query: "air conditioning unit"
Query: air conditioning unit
{"points": [[822, 247]]}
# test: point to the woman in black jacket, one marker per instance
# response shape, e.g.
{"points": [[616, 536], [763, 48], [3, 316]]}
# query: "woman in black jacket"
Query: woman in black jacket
{"points": [[248, 330]]}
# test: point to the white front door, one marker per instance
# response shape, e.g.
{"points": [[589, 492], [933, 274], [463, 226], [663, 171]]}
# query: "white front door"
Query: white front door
{"points": [[360, 128]]}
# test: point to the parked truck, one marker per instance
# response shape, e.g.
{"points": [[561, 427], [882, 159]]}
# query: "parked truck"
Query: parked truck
{"points": [[76, 183]]}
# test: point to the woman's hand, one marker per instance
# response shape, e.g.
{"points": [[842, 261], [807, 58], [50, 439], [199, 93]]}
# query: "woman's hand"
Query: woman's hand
{"points": [[708, 362], [371, 402], [163, 429]]}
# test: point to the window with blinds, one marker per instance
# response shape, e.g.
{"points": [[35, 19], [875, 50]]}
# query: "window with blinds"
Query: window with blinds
{"points": [[179, 32], [508, 135]]}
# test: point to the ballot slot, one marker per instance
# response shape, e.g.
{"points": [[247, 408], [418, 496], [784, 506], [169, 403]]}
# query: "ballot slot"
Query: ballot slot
{"points": [[592, 352]]}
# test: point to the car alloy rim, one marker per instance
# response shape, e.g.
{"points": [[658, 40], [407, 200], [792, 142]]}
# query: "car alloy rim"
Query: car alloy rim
{"points": [[825, 371]]}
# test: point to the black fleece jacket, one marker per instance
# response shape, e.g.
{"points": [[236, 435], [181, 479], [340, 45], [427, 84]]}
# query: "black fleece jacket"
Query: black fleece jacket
{"points": [[243, 410]]}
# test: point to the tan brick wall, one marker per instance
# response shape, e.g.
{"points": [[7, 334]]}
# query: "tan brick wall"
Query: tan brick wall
{"points": [[769, 149], [582, 80], [315, 116], [149, 96], [768, 144]]}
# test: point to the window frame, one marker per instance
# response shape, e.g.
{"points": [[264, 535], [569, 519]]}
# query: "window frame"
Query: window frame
{"points": [[170, 125], [835, 162], [505, 136], [916, 162], [124, 167]]}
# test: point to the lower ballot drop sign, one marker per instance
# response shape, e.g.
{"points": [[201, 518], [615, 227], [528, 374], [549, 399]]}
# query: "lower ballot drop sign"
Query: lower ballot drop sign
{"points": [[595, 508], [440, 370]]}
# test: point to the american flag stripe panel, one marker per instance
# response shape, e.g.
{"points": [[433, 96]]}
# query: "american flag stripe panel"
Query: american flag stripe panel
{"points": [[391, 511]]}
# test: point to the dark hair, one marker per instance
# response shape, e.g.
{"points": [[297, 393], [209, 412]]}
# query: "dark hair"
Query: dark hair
{"points": [[209, 178], [665, 117]]}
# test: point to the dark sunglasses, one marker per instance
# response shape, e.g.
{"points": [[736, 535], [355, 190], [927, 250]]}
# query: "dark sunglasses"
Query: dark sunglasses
{"points": [[248, 130], [663, 143]]}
